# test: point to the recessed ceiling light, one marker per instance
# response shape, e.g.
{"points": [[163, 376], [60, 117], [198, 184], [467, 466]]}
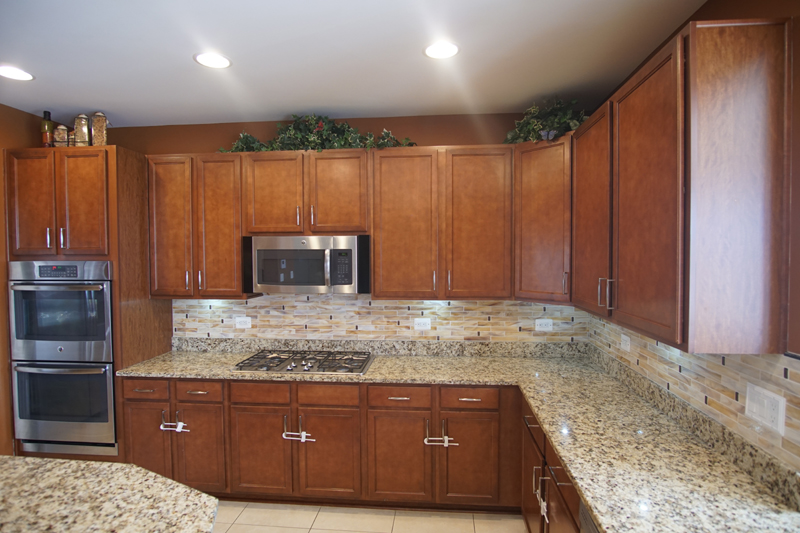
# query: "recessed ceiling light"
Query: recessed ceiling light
{"points": [[212, 60], [7, 71], [441, 50]]}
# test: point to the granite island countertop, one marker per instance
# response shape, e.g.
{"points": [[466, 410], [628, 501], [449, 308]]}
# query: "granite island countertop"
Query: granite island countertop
{"points": [[636, 468], [67, 495]]}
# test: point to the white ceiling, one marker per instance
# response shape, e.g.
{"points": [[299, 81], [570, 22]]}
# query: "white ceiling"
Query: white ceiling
{"points": [[342, 58]]}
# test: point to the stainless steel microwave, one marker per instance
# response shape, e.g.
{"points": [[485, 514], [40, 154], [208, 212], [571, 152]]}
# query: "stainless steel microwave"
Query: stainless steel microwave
{"points": [[311, 264]]}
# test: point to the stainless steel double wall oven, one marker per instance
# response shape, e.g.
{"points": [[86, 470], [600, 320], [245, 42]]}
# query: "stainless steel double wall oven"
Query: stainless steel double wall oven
{"points": [[62, 356]]}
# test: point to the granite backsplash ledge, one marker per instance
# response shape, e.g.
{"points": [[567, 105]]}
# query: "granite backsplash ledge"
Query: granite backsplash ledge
{"points": [[389, 348]]}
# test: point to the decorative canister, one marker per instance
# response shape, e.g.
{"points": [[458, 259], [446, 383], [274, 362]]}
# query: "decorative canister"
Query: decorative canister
{"points": [[81, 130], [71, 139], [61, 135], [99, 129]]}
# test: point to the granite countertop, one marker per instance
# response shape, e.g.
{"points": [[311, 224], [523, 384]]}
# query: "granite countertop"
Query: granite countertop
{"points": [[635, 468], [67, 495]]}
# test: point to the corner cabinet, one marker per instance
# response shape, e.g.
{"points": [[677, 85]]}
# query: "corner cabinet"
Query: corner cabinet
{"points": [[195, 226], [699, 203], [58, 201]]}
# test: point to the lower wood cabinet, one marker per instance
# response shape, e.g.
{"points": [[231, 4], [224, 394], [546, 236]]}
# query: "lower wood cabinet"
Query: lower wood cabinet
{"points": [[532, 473], [261, 459], [329, 466], [200, 452], [468, 467], [147, 445]]}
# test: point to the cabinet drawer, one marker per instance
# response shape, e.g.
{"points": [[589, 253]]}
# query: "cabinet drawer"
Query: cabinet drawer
{"points": [[315, 394], [145, 389], [567, 490], [198, 391], [398, 396], [470, 398], [534, 428], [277, 393]]}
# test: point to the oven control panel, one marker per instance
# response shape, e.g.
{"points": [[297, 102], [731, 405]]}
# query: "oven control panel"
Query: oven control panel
{"points": [[58, 271]]}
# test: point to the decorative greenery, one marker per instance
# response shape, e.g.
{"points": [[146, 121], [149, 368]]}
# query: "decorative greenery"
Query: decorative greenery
{"points": [[311, 132], [553, 120]]}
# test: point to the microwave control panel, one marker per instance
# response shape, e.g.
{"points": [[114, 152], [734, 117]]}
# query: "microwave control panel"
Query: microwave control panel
{"points": [[341, 267]]}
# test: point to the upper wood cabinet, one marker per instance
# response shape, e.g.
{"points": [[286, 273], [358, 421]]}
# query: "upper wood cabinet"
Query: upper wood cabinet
{"points": [[195, 228], [542, 184], [700, 203], [591, 212], [477, 229], [58, 202], [405, 227], [306, 192], [338, 191]]}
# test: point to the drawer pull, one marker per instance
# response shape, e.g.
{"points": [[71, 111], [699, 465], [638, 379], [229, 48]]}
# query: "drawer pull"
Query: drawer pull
{"points": [[196, 392], [527, 424], [144, 390], [399, 398], [469, 399]]}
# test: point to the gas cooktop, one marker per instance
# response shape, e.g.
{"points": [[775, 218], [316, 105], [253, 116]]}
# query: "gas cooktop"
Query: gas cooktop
{"points": [[306, 362]]}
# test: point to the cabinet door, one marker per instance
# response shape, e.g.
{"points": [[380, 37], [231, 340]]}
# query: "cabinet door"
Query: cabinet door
{"points": [[82, 212], [171, 226], [147, 445], [468, 473], [591, 212], [532, 473], [399, 463], [200, 452], [560, 519], [542, 217], [217, 225], [338, 191], [273, 192], [30, 181], [405, 227], [330, 466], [261, 459], [479, 210], [647, 291]]}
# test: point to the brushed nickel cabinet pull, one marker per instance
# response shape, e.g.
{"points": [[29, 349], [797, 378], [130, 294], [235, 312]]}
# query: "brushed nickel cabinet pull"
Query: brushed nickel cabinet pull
{"points": [[529, 425], [312, 215], [434, 281], [199, 280], [564, 283], [399, 398], [144, 390], [48, 237], [469, 399], [61, 236], [165, 426], [448, 281], [196, 392], [608, 295], [187, 280], [298, 215]]}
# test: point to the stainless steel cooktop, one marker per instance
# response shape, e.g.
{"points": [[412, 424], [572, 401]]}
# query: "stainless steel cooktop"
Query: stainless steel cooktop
{"points": [[306, 362]]}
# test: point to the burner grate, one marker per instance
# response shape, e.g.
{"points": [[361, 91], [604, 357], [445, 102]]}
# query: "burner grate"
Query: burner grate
{"points": [[306, 362]]}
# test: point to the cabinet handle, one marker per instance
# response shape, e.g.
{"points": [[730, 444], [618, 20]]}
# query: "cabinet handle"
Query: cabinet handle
{"points": [[144, 390], [434, 281], [536, 485], [399, 398], [525, 418], [312, 215], [61, 236], [447, 439], [180, 426], [469, 399], [327, 268], [599, 292], [199, 280], [48, 237], [303, 435], [448, 280], [428, 440], [287, 434], [187, 280], [298, 215], [608, 295], [196, 392], [164, 424], [564, 283], [542, 503]]}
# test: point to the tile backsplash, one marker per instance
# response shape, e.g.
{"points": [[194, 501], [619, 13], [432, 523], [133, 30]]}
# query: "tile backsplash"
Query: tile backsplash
{"points": [[358, 317]]}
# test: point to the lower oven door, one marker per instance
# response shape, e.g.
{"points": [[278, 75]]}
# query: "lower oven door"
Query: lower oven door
{"points": [[64, 402]]}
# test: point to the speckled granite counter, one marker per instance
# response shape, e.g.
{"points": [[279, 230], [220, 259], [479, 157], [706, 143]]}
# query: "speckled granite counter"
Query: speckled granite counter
{"points": [[636, 469], [65, 495]]}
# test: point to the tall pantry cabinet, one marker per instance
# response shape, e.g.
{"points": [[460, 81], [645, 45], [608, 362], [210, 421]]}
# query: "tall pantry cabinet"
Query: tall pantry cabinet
{"points": [[699, 193]]}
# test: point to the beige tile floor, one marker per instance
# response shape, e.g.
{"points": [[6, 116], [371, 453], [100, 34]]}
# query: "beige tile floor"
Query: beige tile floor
{"points": [[242, 517]]}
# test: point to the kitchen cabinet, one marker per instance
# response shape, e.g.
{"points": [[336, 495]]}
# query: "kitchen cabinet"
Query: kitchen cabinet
{"points": [[195, 226], [195, 455], [533, 465], [306, 192], [699, 203], [405, 229], [561, 497], [478, 223], [58, 202], [591, 212], [261, 459], [542, 231]]}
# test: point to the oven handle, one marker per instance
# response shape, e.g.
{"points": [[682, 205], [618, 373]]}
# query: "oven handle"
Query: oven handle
{"points": [[35, 370], [56, 287]]}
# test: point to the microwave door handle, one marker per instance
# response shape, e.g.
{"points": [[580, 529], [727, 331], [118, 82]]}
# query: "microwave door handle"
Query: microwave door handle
{"points": [[327, 268], [56, 287], [34, 370]]}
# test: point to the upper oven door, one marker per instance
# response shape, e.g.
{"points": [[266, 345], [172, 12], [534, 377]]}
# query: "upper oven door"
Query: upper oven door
{"points": [[60, 321]]}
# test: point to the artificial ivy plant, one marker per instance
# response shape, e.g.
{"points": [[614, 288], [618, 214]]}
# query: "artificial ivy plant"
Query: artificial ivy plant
{"points": [[311, 132], [552, 120]]}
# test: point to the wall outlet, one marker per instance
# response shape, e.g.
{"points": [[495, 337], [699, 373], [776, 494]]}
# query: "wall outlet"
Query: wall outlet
{"points": [[544, 324], [625, 343], [243, 322], [766, 407], [422, 323]]}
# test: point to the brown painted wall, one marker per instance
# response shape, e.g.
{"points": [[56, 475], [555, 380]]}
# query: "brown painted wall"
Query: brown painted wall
{"points": [[423, 130], [20, 130]]}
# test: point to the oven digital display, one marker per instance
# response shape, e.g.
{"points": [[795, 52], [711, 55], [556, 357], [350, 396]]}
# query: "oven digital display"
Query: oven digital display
{"points": [[58, 271]]}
